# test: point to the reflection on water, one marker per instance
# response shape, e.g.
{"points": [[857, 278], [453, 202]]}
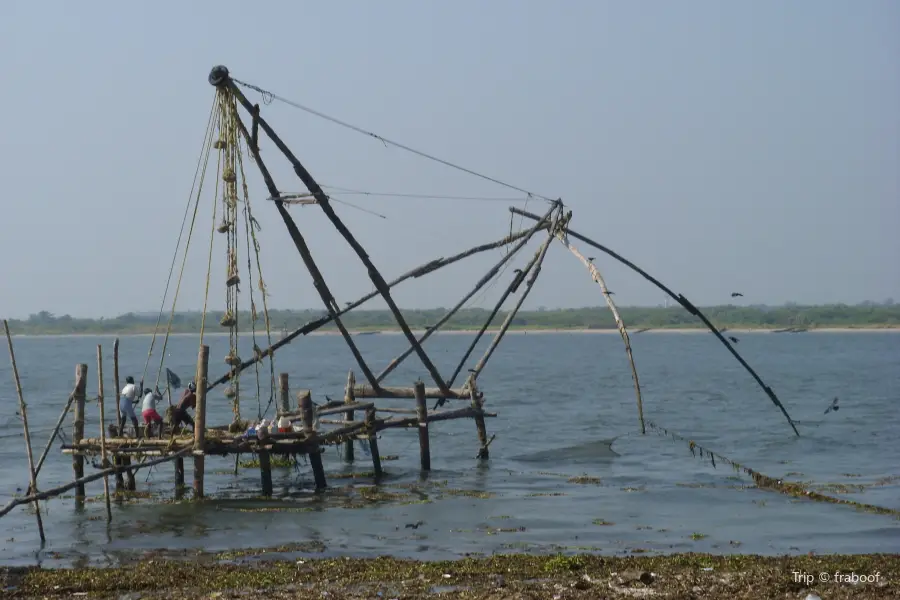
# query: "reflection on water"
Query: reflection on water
{"points": [[560, 463]]}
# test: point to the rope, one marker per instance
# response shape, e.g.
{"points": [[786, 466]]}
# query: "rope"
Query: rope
{"points": [[212, 237], [262, 286], [765, 482], [209, 126], [266, 94], [183, 263], [427, 196]]}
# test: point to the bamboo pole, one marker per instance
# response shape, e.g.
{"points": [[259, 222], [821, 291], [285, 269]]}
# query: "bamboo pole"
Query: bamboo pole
{"points": [[83, 480], [365, 391], [538, 260], [200, 419], [324, 203], [120, 481], [59, 422], [103, 461], [422, 416], [419, 271], [315, 457], [597, 277], [680, 299], [349, 416], [481, 283], [480, 427], [78, 424], [371, 426], [24, 413]]}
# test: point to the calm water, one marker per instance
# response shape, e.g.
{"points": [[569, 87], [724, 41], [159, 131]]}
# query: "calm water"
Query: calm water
{"points": [[559, 396]]}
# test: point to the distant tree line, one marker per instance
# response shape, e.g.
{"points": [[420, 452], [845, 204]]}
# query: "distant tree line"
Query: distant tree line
{"points": [[865, 315]]}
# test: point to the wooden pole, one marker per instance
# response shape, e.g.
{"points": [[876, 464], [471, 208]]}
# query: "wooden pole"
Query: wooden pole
{"points": [[118, 390], [53, 435], [349, 416], [179, 473], [120, 481], [422, 414], [80, 482], [24, 413], [680, 299], [315, 457], [78, 424], [103, 460], [620, 324], [265, 471], [284, 398], [373, 441], [478, 407], [200, 419], [481, 283]]}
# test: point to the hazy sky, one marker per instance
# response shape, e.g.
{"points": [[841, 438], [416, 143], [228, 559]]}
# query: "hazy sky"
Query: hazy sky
{"points": [[722, 146]]}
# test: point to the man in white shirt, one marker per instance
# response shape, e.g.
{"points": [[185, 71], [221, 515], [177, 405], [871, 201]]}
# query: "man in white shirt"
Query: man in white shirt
{"points": [[148, 411], [126, 407]]}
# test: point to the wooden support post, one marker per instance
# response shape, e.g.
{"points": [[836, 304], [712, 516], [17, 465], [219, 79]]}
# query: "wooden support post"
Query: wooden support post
{"points": [[130, 482], [120, 480], [179, 473], [284, 397], [511, 289], [265, 471], [348, 416], [118, 390], [373, 441], [100, 400], [315, 456], [200, 419], [78, 425], [24, 414], [422, 414], [478, 406]]}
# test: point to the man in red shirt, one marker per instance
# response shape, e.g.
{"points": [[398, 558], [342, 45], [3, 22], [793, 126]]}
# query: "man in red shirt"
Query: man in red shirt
{"points": [[180, 414]]}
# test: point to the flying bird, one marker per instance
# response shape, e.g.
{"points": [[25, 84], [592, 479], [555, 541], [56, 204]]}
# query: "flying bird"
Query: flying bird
{"points": [[834, 406], [591, 258], [414, 525], [736, 294], [609, 293], [733, 339]]}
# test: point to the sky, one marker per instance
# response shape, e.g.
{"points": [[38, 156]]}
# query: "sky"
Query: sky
{"points": [[722, 146]]}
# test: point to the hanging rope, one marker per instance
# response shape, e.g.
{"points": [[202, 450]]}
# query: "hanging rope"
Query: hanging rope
{"points": [[204, 152], [252, 226], [212, 238], [183, 262]]}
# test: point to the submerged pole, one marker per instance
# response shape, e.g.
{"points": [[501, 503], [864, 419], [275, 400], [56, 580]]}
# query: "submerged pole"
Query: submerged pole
{"points": [[200, 419], [24, 413], [78, 426], [422, 415], [349, 416], [103, 460]]}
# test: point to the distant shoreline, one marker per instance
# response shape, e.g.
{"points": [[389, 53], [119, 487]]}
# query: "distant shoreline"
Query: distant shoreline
{"points": [[513, 330]]}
